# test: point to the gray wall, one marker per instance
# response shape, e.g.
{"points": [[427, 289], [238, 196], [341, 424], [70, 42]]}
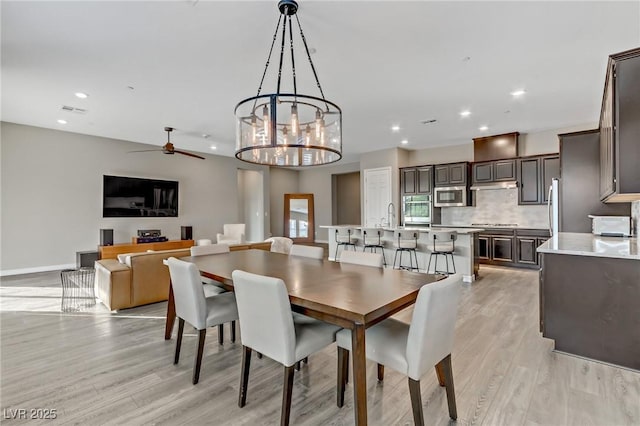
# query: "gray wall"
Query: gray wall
{"points": [[347, 196], [283, 181], [51, 194], [251, 203]]}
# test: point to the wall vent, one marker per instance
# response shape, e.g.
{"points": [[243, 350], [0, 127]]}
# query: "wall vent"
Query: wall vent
{"points": [[73, 109]]}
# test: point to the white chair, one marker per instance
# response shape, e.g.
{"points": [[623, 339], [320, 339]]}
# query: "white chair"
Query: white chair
{"points": [[212, 287], [372, 240], [268, 326], [280, 244], [407, 241], [204, 242], [199, 311], [415, 348], [312, 252], [362, 258], [232, 234], [345, 237], [442, 243]]}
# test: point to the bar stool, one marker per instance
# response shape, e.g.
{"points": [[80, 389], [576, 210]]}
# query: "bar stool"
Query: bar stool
{"points": [[345, 237], [442, 243], [372, 240], [407, 241]]}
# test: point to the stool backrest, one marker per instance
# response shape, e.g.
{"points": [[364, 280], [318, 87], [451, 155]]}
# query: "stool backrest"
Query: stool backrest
{"points": [[372, 236], [406, 235], [442, 239], [343, 235]]}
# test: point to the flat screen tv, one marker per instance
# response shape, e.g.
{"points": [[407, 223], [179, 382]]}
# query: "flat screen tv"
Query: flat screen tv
{"points": [[134, 197]]}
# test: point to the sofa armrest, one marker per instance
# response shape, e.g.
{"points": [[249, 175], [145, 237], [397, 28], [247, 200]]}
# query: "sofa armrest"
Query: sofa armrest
{"points": [[113, 283]]}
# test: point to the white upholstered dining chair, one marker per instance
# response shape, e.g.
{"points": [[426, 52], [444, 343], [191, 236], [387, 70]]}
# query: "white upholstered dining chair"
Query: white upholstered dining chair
{"points": [[263, 304], [312, 252], [362, 258], [196, 309], [280, 244], [414, 348], [233, 233]]}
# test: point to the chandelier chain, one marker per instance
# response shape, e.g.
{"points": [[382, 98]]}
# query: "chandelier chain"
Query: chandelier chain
{"points": [[293, 61], [313, 68], [284, 34], [266, 66]]}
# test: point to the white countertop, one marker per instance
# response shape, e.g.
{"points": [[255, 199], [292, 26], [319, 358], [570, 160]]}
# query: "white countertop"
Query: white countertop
{"points": [[424, 230], [592, 245]]}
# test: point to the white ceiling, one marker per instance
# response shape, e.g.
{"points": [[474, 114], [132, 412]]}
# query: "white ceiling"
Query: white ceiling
{"points": [[383, 63]]}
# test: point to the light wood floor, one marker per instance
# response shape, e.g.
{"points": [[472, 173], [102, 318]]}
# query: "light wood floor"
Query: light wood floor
{"points": [[98, 367]]}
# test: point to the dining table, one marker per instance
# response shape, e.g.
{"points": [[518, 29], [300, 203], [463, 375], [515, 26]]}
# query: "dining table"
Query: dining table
{"points": [[350, 296]]}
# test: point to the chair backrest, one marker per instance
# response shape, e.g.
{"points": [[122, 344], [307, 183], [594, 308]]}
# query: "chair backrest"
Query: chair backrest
{"points": [[280, 244], [204, 242], [312, 252], [209, 249], [433, 324], [372, 236], [362, 258], [266, 321], [188, 293], [443, 240], [234, 230]]}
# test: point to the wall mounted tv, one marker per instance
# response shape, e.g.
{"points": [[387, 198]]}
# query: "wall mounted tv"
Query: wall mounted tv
{"points": [[134, 197]]}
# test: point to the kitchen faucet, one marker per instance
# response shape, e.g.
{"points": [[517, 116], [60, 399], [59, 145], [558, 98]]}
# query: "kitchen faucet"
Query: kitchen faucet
{"points": [[390, 214]]}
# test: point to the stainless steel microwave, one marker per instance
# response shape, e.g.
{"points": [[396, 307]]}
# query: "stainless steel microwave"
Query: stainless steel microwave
{"points": [[450, 196]]}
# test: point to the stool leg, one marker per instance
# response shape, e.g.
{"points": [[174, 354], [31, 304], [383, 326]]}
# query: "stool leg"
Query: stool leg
{"points": [[384, 260], [453, 263], [415, 254], [394, 259], [429, 264], [446, 262], [335, 257], [435, 266]]}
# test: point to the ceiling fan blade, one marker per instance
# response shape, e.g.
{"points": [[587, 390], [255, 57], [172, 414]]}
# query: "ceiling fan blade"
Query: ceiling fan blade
{"points": [[145, 150], [188, 153]]}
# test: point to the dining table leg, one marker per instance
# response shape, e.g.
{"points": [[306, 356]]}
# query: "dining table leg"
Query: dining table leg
{"points": [[359, 374], [171, 314]]}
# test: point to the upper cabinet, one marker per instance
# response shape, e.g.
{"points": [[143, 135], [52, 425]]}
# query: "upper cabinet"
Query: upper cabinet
{"points": [[416, 180], [534, 177], [454, 174], [494, 171], [620, 129]]}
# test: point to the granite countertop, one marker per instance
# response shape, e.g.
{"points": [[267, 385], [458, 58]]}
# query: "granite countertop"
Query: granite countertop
{"points": [[579, 244], [458, 229]]}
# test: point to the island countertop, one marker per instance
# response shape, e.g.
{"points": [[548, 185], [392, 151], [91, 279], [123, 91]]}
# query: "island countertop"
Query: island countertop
{"points": [[424, 230], [583, 244]]}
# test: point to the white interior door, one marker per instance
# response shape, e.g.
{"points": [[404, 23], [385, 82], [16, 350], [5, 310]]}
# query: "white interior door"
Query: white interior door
{"points": [[377, 195]]}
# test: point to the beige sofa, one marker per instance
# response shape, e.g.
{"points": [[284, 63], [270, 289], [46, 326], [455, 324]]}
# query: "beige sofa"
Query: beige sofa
{"points": [[139, 279]]}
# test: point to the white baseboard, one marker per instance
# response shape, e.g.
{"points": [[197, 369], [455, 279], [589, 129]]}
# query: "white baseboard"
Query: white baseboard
{"points": [[8, 272]]}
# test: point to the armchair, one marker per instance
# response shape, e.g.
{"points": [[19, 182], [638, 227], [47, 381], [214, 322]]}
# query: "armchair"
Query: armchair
{"points": [[233, 234]]}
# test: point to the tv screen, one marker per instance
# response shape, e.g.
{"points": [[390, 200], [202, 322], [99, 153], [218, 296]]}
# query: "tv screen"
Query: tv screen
{"points": [[134, 197]]}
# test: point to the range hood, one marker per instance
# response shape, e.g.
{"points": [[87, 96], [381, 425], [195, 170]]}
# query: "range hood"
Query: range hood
{"points": [[507, 184]]}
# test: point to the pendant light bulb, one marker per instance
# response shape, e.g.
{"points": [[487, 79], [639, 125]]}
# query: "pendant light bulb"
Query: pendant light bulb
{"points": [[318, 124], [265, 120], [254, 129], [308, 135], [294, 121]]}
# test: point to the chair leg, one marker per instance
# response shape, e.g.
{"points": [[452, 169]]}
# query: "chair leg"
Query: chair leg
{"points": [[305, 360], [286, 396], [447, 372], [176, 358], [343, 373], [244, 376], [196, 368], [220, 334], [439, 374], [380, 372], [297, 365], [233, 331], [416, 402], [259, 355]]}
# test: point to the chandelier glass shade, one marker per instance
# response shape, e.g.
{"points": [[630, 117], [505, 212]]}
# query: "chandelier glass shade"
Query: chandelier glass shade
{"points": [[288, 129]]}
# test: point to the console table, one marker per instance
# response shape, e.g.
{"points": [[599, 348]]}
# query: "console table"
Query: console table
{"points": [[112, 252]]}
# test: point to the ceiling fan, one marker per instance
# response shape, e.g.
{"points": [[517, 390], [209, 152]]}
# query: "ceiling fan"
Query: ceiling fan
{"points": [[168, 148]]}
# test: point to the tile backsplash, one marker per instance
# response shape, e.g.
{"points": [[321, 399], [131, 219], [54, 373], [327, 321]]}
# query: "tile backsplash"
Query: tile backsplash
{"points": [[498, 206]]}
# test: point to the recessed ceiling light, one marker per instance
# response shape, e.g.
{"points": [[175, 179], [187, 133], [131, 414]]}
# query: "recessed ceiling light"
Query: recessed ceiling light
{"points": [[404, 141], [517, 93], [395, 128], [81, 95], [206, 135], [465, 113], [213, 147], [483, 128], [61, 121]]}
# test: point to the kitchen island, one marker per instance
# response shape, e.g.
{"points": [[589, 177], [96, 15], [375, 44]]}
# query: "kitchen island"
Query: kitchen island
{"points": [[590, 296], [466, 260]]}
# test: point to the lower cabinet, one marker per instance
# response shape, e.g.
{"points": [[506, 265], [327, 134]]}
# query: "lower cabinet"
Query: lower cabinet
{"points": [[510, 247]]}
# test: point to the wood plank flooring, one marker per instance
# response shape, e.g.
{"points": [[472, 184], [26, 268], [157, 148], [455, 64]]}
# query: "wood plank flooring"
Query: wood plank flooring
{"points": [[96, 367]]}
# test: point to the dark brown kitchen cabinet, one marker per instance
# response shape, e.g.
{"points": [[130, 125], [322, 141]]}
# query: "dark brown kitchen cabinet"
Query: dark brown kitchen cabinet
{"points": [[510, 247], [502, 248], [484, 247], [416, 180], [454, 174], [534, 177], [494, 171], [526, 250], [620, 129]]}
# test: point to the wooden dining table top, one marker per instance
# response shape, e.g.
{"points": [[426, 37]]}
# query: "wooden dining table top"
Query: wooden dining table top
{"points": [[354, 293]]}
